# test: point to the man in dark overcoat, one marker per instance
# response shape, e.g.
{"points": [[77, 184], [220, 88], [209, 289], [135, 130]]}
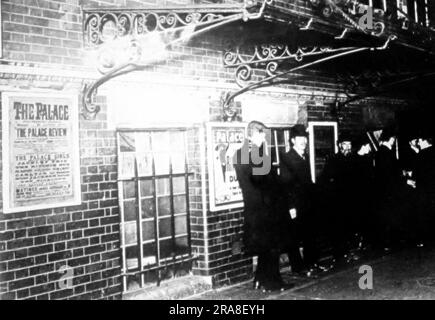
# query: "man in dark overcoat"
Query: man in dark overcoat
{"points": [[297, 185], [339, 179], [412, 217], [257, 181], [425, 186], [389, 184]]}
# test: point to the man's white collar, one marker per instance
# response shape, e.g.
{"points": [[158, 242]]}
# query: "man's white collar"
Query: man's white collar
{"points": [[389, 146], [301, 154]]}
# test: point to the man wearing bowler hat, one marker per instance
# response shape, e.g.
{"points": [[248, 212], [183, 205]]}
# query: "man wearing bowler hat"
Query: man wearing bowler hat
{"points": [[339, 179], [297, 185]]}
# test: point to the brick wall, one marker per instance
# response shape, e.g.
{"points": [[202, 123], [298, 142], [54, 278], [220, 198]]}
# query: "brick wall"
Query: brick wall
{"points": [[351, 118], [35, 245], [42, 31]]}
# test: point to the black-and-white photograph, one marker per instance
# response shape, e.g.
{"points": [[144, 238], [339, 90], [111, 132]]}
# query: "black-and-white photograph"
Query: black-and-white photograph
{"points": [[233, 151]]}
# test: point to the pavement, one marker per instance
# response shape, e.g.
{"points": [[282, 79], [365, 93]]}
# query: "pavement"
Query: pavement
{"points": [[407, 274]]}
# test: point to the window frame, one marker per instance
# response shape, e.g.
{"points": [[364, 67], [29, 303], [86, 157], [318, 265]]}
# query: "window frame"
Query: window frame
{"points": [[139, 242], [311, 125]]}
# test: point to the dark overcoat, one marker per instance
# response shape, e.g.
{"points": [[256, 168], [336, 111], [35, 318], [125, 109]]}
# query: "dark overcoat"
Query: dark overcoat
{"points": [[389, 186], [425, 182], [364, 192], [425, 171], [387, 172], [338, 181], [295, 191], [295, 175], [258, 198]]}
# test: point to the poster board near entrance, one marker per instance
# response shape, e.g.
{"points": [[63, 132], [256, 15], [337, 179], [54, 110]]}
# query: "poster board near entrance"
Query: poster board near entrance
{"points": [[223, 140], [40, 148]]}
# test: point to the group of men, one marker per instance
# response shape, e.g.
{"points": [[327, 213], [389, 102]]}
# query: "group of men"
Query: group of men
{"points": [[363, 190]]}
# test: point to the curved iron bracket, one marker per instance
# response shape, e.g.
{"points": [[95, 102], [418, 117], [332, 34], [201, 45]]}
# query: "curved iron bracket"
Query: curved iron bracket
{"points": [[278, 78], [90, 108], [196, 22], [269, 57]]}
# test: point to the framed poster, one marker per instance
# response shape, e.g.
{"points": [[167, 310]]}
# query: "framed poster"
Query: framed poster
{"points": [[223, 140], [41, 163]]}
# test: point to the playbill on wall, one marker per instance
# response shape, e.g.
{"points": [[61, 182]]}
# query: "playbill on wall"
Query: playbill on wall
{"points": [[41, 164]]}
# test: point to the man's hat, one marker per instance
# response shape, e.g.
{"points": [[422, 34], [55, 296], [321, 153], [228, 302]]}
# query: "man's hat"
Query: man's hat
{"points": [[344, 136], [298, 130]]}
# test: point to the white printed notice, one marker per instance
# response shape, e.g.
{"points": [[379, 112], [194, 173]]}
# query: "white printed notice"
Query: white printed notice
{"points": [[224, 139], [41, 166]]}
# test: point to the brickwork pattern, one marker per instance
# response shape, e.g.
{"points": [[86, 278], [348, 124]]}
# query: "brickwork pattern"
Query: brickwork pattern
{"points": [[36, 245]]}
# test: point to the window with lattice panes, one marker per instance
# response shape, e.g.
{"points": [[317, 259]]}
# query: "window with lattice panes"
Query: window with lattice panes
{"points": [[154, 201]]}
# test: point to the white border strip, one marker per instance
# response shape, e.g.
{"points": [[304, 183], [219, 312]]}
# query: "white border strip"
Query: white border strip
{"points": [[311, 125]]}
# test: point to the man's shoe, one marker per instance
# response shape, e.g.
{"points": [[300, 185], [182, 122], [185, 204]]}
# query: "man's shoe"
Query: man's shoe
{"points": [[354, 257], [299, 271], [303, 273], [312, 271], [321, 268]]}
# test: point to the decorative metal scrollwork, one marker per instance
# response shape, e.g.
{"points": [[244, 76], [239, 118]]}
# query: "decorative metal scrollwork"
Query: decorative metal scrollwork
{"points": [[101, 27], [90, 108], [351, 11], [246, 71], [268, 53], [135, 29], [243, 74], [268, 58]]}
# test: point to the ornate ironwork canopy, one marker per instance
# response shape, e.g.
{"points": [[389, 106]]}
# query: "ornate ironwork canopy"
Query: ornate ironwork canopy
{"points": [[102, 25], [140, 37], [133, 27]]}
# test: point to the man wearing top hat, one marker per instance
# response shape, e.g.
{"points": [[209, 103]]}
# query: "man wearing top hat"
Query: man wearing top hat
{"points": [[297, 187]]}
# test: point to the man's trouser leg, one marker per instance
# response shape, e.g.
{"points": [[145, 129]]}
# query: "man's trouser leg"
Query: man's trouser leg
{"points": [[294, 255]]}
